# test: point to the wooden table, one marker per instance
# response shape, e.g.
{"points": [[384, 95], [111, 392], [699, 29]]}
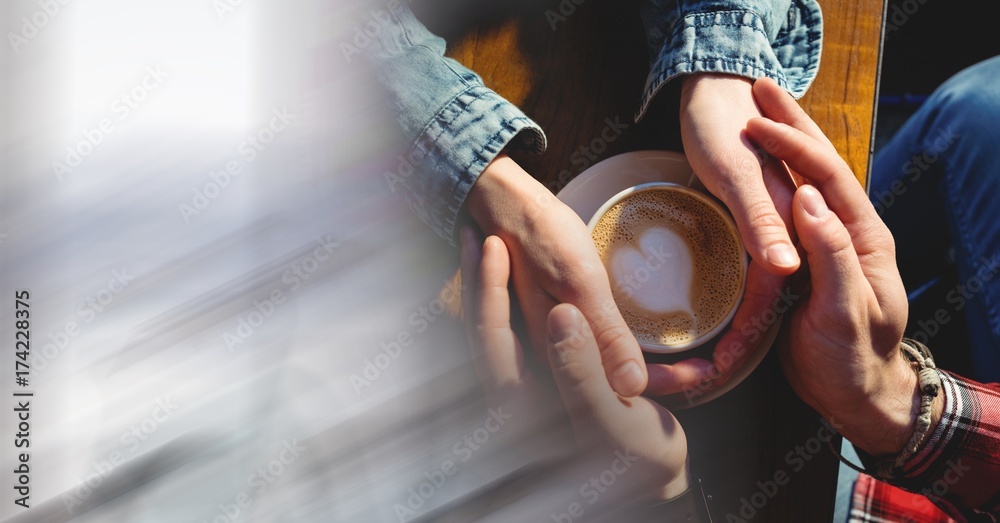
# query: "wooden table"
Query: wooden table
{"points": [[570, 77]]}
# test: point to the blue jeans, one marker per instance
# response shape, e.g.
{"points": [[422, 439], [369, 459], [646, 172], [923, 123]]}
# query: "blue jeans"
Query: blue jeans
{"points": [[936, 185]]}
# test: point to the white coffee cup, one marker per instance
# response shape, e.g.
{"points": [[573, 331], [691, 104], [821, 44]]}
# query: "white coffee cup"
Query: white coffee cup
{"points": [[680, 277]]}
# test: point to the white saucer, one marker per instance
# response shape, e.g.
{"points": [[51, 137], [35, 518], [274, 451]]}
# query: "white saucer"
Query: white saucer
{"points": [[587, 192]]}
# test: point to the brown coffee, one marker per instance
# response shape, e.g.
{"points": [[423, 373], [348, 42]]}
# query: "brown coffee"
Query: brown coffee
{"points": [[675, 263]]}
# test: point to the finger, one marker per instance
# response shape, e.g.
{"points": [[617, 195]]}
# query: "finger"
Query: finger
{"points": [[499, 359], [755, 315], [681, 377], [619, 350], [472, 252], [534, 304], [576, 365], [776, 104], [764, 233], [829, 173], [871, 238], [835, 271], [780, 188]]}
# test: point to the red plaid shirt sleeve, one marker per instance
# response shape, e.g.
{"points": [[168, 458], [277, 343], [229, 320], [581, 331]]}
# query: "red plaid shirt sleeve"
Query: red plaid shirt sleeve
{"points": [[958, 469]]}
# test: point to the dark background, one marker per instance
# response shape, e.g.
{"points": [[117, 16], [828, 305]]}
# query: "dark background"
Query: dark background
{"points": [[922, 50], [939, 39]]}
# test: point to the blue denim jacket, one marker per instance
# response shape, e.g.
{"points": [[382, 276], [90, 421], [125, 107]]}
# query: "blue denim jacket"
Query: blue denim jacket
{"points": [[455, 126]]}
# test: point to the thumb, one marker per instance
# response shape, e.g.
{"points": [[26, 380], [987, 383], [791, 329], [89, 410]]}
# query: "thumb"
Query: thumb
{"points": [[835, 271], [617, 346], [576, 364]]}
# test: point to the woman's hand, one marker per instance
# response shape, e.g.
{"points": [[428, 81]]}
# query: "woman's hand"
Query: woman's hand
{"points": [[758, 191], [644, 438], [553, 260]]}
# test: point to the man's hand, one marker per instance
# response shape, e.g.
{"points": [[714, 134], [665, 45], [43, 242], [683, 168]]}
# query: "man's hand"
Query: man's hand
{"points": [[608, 426], [553, 261], [842, 356]]}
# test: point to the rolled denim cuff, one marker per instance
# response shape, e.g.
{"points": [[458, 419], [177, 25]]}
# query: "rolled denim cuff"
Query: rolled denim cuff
{"points": [[454, 149], [736, 42]]}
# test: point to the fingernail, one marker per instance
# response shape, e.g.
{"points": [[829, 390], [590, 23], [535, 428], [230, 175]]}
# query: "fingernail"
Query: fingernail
{"points": [[812, 202], [627, 380], [564, 326], [781, 255]]}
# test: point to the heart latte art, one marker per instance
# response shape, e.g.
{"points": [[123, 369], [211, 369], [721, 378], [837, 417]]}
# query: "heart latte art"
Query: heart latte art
{"points": [[675, 264]]}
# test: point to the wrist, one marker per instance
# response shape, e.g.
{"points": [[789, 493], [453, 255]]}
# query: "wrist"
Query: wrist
{"points": [[887, 424], [693, 83], [503, 181]]}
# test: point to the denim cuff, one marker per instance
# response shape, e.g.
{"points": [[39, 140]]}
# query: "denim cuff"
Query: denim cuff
{"points": [[736, 42], [452, 125], [455, 148]]}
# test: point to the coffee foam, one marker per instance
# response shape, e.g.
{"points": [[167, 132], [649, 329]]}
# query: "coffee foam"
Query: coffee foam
{"points": [[675, 265]]}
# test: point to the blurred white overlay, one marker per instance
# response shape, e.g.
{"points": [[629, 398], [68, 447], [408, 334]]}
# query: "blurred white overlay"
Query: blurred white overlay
{"points": [[207, 59], [193, 193]]}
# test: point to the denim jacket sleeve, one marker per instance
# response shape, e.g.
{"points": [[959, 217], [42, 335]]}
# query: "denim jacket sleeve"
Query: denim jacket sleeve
{"points": [[780, 39], [453, 125]]}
